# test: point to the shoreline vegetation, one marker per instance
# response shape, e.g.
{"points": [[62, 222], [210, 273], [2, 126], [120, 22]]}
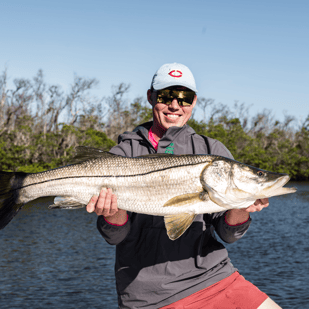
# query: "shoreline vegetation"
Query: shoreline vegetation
{"points": [[40, 126]]}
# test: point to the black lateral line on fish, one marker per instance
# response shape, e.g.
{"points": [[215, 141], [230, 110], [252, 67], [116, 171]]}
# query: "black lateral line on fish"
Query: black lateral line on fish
{"points": [[101, 176]]}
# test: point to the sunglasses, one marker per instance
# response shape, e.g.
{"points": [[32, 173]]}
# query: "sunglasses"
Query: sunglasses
{"points": [[184, 97]]}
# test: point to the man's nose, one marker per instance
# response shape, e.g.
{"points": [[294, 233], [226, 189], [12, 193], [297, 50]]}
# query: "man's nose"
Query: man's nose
{"points": [[175, 104]]}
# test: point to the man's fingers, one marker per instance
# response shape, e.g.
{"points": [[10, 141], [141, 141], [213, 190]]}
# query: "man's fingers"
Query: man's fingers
{"points": [[114, 207], [258, 205], [254, 208], [258, 208], [262, 202], [100, 202], [257, 202], [107, 204], [91, 205], [251, 208], [265, 202]]}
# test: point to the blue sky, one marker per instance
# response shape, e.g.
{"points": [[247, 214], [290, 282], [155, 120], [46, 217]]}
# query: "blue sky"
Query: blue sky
{"points": [[255, 52]]}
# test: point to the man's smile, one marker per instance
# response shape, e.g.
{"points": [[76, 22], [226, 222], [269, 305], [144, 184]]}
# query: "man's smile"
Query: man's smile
{"points": [[172, 116]]}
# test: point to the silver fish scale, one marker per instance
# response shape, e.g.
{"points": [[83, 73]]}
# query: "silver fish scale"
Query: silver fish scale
{"points": [[117, 166], [122, 166], [141, 184]]}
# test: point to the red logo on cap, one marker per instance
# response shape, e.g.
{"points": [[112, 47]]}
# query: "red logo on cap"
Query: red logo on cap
{"points": [[175, 73]]}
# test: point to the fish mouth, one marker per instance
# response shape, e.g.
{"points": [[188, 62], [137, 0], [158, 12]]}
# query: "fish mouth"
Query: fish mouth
{"points": [[277, 188], [281, 181]]}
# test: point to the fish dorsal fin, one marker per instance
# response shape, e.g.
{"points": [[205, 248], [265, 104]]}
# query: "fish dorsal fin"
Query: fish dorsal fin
{"points": [[66, 202], [177, 224], [84, 153], [187, 199], [157, 155]]}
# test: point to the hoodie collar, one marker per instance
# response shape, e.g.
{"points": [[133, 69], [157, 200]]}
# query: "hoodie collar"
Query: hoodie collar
{"points": [[170, 134]]}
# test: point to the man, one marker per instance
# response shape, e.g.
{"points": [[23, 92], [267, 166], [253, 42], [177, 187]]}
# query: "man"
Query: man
{"points": [[193, 271]]}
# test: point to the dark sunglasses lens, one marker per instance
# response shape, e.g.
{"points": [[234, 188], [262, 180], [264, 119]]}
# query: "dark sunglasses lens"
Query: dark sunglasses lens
{"points": [[184, 98], [164, 97], [165, 100]]}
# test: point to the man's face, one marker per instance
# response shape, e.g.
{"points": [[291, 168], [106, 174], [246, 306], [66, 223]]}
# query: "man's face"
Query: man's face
{"points": [[170, 115]]}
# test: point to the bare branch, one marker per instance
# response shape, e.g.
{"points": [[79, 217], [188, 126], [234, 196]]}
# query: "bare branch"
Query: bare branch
{"points": [[204, 103]]}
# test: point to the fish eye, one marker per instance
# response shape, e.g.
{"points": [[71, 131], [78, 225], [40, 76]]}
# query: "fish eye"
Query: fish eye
{"points": [[260, 173]]}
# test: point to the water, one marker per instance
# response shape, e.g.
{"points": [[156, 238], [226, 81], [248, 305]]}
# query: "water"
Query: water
{"points": [[274, 253], [57, 258]]}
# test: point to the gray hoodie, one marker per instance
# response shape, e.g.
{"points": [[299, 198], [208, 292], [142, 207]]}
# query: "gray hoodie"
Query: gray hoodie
{"points": [[151, 270]]}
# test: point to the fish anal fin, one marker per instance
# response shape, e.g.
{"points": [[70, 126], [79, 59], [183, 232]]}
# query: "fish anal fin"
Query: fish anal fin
{"points": [[66, 202], [177, 224], [186, 199]]}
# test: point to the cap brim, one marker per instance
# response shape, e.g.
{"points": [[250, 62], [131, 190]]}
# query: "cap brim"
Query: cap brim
{"points": [[172, 83]]}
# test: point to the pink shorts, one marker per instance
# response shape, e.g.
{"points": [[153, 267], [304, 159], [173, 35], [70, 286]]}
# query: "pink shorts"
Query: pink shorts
{"points": [[233, 292]]}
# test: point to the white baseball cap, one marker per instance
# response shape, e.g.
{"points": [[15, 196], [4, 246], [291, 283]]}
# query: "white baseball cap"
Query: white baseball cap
{"points": [[173, 74]]}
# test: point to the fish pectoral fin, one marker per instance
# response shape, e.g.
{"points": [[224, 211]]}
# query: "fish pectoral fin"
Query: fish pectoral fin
{"points": [[66, 202], [176, 225], [186, 199]]}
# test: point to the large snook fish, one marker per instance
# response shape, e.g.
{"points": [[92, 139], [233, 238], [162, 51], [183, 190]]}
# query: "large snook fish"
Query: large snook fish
{"points": [[176, 187]]}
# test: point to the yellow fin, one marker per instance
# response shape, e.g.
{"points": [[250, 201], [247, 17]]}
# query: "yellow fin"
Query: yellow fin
{"points": [[186, 199], [176, 225]]}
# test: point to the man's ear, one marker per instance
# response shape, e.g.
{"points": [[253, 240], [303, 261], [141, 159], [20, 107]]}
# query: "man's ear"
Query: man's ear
{"points": [[194, 101], [149, 96]]}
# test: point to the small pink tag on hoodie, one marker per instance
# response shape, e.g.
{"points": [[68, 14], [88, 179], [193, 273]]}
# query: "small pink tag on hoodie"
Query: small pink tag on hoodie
{"points": [[152, 139]]}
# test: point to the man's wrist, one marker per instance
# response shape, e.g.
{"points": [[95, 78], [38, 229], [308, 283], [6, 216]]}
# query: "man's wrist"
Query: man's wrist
{"points": [[118, 219], [235, 217]]}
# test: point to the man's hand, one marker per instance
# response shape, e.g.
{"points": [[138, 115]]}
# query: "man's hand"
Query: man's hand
{"points": [[106, 205], [238, 216], [258, 205]]}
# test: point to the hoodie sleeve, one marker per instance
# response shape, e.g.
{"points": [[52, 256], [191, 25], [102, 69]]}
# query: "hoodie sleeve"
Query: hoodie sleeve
{"points": [[113, 234], [228, 233]]}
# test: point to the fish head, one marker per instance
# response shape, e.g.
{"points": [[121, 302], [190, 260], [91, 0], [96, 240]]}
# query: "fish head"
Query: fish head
{"points": [[232, 184], [259, 182]]}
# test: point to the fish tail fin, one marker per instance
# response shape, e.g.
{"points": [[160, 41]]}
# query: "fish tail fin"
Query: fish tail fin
{"points": [[10, 184]]}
